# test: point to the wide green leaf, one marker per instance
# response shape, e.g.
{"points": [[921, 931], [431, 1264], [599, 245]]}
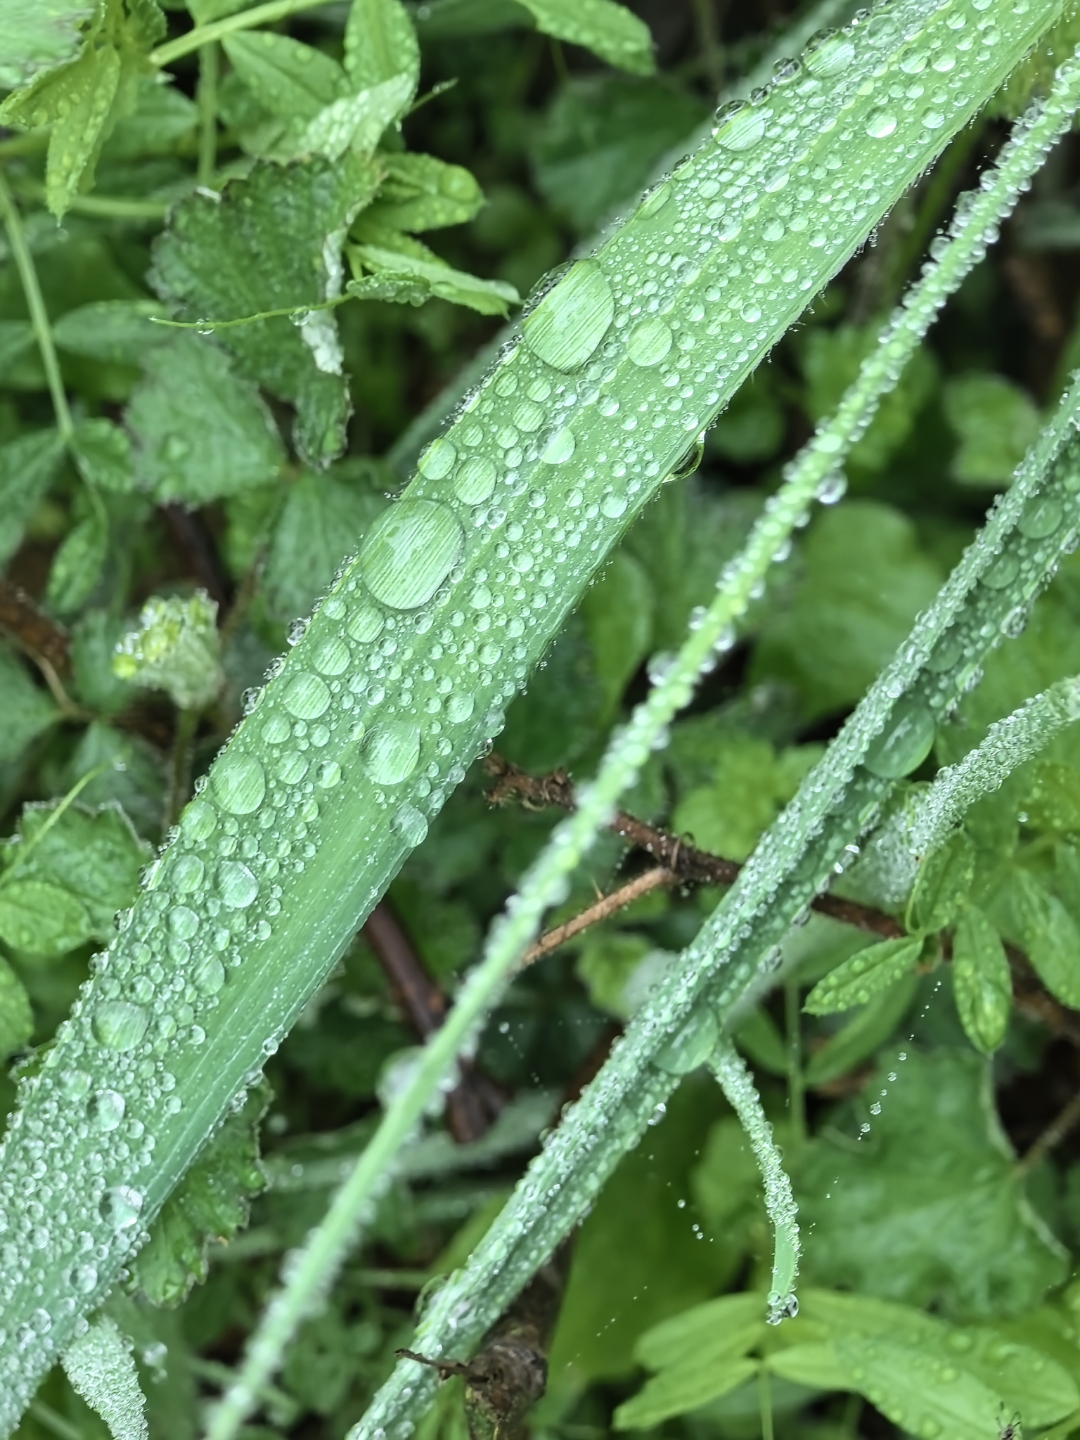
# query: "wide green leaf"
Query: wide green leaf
{"points": [[38, 35], [289, 79], [942, 883], [867, 973], [380, 43]]}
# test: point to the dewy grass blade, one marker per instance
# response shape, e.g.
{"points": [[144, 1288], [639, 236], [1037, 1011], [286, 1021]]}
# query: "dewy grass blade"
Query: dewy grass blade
{"points": [[1008, 743], [313, 1269], [735, 956], [403, 671]]}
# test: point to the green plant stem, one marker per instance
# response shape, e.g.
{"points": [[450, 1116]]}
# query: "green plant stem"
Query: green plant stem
{"points": [[107, 207], [39, 316], [207, 101], [187, 722], [765, 1403], [56, 1424], [202, 35], [796, 1085]]}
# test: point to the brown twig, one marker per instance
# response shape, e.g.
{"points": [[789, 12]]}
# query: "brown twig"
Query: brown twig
{"points": [[686, 863], [40, 637], [474, 1102], [605, 906]]}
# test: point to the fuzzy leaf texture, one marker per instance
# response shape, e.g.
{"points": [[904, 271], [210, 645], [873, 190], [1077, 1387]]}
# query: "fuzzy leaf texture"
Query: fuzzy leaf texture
{"points": [[429, 576]]}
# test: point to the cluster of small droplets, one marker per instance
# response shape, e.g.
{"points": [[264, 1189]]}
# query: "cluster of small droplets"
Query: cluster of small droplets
{"points": [[1008, 743]]}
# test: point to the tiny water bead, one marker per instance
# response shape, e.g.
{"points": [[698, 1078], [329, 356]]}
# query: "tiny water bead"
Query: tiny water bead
{"points": [[566, 328], [409, 551]]}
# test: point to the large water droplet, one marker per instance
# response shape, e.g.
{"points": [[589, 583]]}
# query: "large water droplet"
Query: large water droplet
{"points": [[237, 886], [120, 1207], [475, 480], [649, 342], [106, 1109], [332, 656], [239, 783], [392, 752], [905, 742], [306, 696], [198, 821], [692, 1046], [744, 128], [366, 623], [187, 873], [411, 824], [118, 1024], [570, 322], [829, 54], [209, 976], [438, 459], [881, 124], [409, 551], [559, 447]]}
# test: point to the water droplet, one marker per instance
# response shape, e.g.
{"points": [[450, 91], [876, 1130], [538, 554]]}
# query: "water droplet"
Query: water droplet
{"points": [[105, 1109], [187, 873], [1041, 518], [692, 1046], [120, 1207], [410, 824], [366, 623], [744, 129], [437, 460], [1001, 572], [475, 480], [118, 1024], [881, 124], [198, 821], [459, 708], [828, 54], [392, 752], [559, 447], [236, 884], [409, 551], [613, 506], [332, 657], [570, 322], [209, 976], [306, 696], [183, 922], [905, 742], [75, 1084], [654, 200], [328, 774], [649, 341], [239, 783], [84, 1278]]}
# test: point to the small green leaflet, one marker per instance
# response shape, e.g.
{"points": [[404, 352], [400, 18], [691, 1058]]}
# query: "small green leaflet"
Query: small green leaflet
{"points": [[420, 192], [863, 1035], [994, 421], [941, 885], [78, 564], [982, 984], [400, 276], [115, 330], [16, 1016], [27, 710], [1045, 930], [103, 455], [380, 43], [210, 1203], [865, 974], [100, 1367], [291, 80], [610, 31], [202, 431]]}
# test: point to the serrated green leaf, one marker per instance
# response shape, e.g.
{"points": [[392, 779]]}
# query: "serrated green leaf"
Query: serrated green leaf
{"points": [[16, 1016], [684, 1387], [78, 564], [26, 709], [982, 983], [211, 1203], [420, 192], [202, 432], [103, 455], [93, 855], [931, 1210], [488, 297], [750, 783], [611, 31], [114, 330], [606, 963], [289, 79], [380, 42], [39, 35], [101, 1369], [78, 102], [864, 1035], [28, 467], [864, 975], [132, 773], [994, 421], [355, 122], [942, 883], [601, 140], [41, 919], [1052, 801], [285, 215], [1044, 929]]}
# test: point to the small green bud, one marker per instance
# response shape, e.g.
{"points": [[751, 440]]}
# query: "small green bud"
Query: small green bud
{"points": [[176, 649]]}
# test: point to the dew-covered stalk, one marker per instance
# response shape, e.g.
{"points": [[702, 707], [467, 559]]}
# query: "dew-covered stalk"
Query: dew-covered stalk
{"points": [[1008, 743], [738, 1086], [734, 958], [310, 1273], [458, 588]]}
